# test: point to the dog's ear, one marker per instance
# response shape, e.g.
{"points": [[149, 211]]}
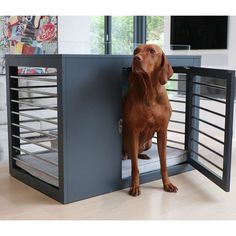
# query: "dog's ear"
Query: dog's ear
{"points": [[165, 71]]}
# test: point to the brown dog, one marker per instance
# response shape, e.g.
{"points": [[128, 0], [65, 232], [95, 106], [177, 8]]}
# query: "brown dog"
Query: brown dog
{"points": [[146, 110]]}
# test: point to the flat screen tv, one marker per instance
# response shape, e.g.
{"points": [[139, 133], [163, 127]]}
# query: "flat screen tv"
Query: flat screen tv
{"points": [[200, 32]]}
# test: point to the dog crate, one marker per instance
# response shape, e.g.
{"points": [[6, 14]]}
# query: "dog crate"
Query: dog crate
{"points": [[64, 112]]}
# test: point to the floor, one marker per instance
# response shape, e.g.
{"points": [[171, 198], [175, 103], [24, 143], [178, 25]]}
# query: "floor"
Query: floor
{"points": [[197, 199]]}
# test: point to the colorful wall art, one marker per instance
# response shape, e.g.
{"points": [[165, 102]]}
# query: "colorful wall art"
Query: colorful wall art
{"points": [[27, 35]]}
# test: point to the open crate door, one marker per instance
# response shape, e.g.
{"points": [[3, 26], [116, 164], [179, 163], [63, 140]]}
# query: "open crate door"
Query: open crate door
{"points": [[209, 121]]}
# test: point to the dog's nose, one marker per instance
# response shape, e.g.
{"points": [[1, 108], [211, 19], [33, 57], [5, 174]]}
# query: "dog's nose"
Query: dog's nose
{"points": [[138, 58]]}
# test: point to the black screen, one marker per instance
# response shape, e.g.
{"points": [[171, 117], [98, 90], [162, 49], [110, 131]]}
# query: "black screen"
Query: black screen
{"points": [[200, 32]]}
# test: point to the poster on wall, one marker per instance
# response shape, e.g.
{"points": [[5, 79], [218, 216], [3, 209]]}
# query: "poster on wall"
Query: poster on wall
{"points": [[27, 35]]}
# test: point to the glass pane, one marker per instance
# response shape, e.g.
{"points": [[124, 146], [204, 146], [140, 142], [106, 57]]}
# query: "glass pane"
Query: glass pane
{"points": [[122, 34], [155, 30], [97, 34]]}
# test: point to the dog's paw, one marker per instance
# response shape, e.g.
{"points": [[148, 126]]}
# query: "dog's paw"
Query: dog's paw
{"points": [[134, 191], [169, 187]]}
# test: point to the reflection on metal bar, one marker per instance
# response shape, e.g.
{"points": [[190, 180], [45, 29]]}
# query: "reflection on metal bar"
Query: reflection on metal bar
{"points": [[209, 136], [36, 118], [36, 143], [210, 98], [34, 91], [205, 109], [34, 105], [208, 148], [34, 155], [176, 131], [212, 163], [208, 123], [44, 172], [180, 101], [211, 85], [34, 130], [173, 141], [36, 78]]}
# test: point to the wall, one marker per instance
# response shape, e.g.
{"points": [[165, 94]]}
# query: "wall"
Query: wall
{"points": [[73, 34]]}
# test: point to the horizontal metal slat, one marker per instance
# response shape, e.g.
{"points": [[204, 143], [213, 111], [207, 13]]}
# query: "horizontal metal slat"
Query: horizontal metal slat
{"points": [[34, 91], [36, 78], [209, 136], [208, 123], [34, 105], [35, 143], [205, 109], [208, 148], [212, 163], [36, 117], [210, 98], [211, 85], [34, 130]]}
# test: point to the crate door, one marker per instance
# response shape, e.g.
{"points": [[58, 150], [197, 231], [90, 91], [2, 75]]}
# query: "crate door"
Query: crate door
{"points": [[209, 122]]}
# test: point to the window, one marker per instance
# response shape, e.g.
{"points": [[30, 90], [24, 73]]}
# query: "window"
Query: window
{"points": [[97, 34], [155, 30], [122, 34]]}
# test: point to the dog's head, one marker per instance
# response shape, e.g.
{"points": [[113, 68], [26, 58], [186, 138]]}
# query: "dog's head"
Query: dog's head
{"points": [[151, 60]]}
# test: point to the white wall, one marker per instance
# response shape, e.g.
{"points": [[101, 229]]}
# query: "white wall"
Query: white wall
{"points": [[73, 34]]}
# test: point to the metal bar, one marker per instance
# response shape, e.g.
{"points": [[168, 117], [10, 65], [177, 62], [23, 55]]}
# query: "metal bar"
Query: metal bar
{"points": [[212, 163], [210, 98], [208, 123], [211, 85], [177, 121], [205, 109], [34, 105], [37, 118], [177, 80], [33, 109], [175, 131], [176, 90], [35, 78], [175, 147], [37, 86], [178, 111], [180, 101], [34, 155], [209, 136], [32, 98], [230, 93], [35, 91], [208, 148], [34, 130], [173, 141], [46, 173], [35, 143]]}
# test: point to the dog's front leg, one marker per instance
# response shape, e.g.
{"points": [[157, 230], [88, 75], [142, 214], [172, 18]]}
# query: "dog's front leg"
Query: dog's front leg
{"points": [[133, 151], [161, 143]]}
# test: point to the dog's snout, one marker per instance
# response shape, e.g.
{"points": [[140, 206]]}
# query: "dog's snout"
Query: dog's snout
{"points": [[138, 58]]}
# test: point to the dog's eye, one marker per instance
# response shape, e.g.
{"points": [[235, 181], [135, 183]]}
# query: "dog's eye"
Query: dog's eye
{"points": [[152, 51], [135, 51]]}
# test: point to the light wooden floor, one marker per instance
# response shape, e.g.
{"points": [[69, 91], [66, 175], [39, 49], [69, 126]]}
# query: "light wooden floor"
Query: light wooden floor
{"points": [[197, 199]]}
